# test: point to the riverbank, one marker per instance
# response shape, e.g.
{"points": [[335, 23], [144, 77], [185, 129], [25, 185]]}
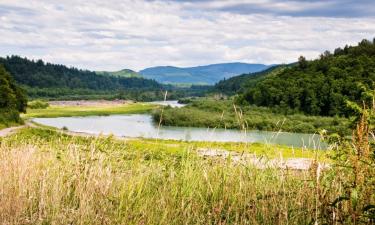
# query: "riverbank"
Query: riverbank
{"points": [[88, 108], [226, 114], [136, 126]]}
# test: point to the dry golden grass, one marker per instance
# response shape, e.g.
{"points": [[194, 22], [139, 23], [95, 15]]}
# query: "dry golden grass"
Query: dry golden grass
{"points": [[50, 178]]}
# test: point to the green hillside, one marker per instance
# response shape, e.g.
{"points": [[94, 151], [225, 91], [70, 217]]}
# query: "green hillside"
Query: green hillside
{"points": [[48, 80], [239, 83], [319, 87], [120, 73], [209, 74]]}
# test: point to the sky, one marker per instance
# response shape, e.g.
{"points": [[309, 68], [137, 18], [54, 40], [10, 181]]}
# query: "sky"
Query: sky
{"points": [[116, 34]]}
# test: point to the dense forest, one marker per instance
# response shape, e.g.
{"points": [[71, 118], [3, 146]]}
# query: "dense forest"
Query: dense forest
{"points": [[42, 79], [56, 82], [319, 87], [242, 82], [12, 99]]}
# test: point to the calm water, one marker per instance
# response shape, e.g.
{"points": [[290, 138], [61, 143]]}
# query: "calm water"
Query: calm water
{"points": [[173, 103], [141, 125]]}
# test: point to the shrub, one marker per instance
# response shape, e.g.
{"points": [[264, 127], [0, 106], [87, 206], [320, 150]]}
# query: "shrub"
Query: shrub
{"points": [[37, 104]]}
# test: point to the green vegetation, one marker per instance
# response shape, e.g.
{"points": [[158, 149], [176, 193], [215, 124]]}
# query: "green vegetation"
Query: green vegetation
{"points": [[224, 114], [99, 110], [319, 87], [37, 104], [241, 83], [57, 82], [121, 73], [46, 80], [12, 100], [77, 180]]}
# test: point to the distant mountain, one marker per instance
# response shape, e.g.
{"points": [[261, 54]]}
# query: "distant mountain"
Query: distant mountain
{"points": [[121, 73], [209, 74]]}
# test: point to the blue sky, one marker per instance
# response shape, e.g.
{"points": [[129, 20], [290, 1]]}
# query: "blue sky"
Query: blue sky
{"points": [[117, 34]]}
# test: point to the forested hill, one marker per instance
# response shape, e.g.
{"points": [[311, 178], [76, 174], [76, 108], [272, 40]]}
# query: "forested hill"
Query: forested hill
{"points": [[38, 74], [121, 73], [242, 82], [322, 86], [209, 74]]}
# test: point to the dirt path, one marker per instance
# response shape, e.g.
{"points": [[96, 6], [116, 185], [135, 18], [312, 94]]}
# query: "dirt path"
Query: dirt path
{"points": [[11, 130]]}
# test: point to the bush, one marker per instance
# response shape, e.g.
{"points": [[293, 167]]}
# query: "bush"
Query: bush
{"points": [[37, 104]]}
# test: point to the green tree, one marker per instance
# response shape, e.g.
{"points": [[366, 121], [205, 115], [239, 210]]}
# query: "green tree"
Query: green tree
{"points": [[12, 98]]}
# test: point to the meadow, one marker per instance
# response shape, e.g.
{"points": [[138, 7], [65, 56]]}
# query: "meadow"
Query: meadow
{"points": [[48, 177]]}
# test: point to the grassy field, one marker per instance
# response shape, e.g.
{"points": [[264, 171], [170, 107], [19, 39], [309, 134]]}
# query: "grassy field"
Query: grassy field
{"points": [[102, 110], [47, 177]]}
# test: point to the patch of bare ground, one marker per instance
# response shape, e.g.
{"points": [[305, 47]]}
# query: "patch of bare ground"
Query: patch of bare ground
{"points": [[10, 130], [259, 161]]}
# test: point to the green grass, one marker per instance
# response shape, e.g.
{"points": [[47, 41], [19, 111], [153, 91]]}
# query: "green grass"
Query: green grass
{"points": [[47, 177], [66, 111], [222, 114]]}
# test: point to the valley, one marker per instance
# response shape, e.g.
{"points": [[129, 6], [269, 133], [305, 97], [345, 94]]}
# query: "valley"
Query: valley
{"points": [[285, 144]]}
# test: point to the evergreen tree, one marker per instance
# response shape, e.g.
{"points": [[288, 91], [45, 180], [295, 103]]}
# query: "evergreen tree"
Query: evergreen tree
{"points": [[319, 87], [12, 98]]}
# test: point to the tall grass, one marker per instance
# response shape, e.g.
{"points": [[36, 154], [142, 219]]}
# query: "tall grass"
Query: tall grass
{"points": [[52, 178], [222, 114]]}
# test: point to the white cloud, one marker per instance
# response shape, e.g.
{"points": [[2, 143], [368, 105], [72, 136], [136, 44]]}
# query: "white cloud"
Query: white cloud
{"points": [[114, 34]]}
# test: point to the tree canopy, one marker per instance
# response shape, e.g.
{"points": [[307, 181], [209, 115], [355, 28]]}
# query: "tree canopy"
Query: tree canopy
{"points": [[40, 75], [319, 87], [12, 98]]}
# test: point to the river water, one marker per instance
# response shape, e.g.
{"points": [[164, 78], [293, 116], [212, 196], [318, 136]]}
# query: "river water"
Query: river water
{"points": [[142, 125]]}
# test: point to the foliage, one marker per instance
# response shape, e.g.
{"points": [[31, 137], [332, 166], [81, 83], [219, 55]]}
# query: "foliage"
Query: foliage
{"points": [[50, 80], [37, 104], [55, 82], [121, 73], [319, 87], [225, 114], [242, 82], [12, 99], [354, 165]]}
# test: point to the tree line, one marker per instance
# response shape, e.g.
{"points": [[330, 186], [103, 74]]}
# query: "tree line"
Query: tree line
{"points": [[12, 99], [319, 87], [49, 77]]}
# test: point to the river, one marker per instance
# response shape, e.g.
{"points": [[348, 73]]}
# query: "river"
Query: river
{"points": [[142, 126]]}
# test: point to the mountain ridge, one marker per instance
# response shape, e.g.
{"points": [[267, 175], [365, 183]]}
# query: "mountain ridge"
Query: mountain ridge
{"points": [[204, 74]]}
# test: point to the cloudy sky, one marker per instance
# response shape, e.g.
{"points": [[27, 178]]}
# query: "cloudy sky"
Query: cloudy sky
{"points": [[117, 34]]}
